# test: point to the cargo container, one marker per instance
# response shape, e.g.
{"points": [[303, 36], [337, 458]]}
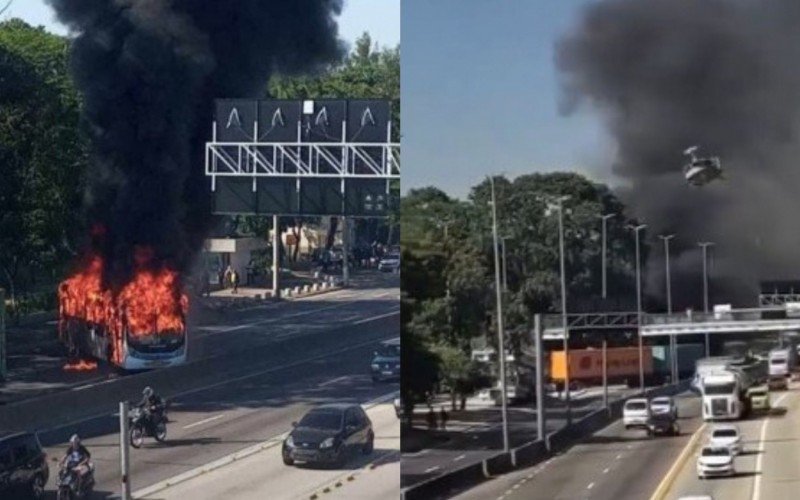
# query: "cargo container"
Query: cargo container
{"points": [[587, 364]]}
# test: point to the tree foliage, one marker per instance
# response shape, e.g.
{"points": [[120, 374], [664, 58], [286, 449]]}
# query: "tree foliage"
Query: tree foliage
{"points": [[448, 266], [42, 154]]}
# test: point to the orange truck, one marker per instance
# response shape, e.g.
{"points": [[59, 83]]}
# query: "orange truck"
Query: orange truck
{"points": [[587, 364]]}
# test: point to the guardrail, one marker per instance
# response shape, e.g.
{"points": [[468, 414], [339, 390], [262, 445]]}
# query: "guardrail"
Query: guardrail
{"points": [[529, 454]]}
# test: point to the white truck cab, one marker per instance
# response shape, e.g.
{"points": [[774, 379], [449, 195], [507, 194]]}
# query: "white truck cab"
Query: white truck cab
{"points": [[722, 396]]}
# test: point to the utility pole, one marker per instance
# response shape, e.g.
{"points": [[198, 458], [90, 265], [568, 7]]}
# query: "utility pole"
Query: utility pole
{"points": [[636, 230], [673, 340], [541, 433], [505, 263], [501, 355], [567, 399], [276, 257], [704, 245], [125, 479], [605, 218]]}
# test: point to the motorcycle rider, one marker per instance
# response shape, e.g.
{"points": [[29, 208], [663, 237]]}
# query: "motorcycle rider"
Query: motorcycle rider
{"points": [[78, 457], [152, 404]]}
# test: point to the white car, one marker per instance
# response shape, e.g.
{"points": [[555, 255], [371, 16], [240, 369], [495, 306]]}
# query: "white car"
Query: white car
{"points": [[664, 404], [715, 461], [697, 497], [726, 435], [636, 413], [390, 263]]}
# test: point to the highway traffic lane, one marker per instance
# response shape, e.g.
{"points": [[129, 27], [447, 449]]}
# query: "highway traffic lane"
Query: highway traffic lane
{"points": [[612, 464], [263, 475], [770, 465], [484, 441], [209, 424], [96, 400], [289, 316]]}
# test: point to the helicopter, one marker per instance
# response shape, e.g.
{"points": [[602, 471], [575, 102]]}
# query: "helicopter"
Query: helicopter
{"points": [[701, 171]]}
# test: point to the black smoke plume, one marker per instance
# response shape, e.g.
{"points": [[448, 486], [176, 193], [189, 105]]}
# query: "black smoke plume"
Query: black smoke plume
{"points": [[724, 74], [149, 71]]}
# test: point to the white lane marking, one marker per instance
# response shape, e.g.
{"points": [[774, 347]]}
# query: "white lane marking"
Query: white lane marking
{"points": [[591, 485], [216, 330], [374, 318], [431, 469], [333, 381], [605, 471], [205, 421], [761, 450], [223, 382], [460, 457]]}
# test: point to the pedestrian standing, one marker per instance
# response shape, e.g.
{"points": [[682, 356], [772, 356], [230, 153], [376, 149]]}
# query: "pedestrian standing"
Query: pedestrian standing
{"points": [[228, 278], [206, 283], [235, 281], [431, 419], [443, 418]]}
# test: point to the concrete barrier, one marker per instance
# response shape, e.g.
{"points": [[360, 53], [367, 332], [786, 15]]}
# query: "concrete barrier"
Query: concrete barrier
{"points": [[529, 454], [446, 485], [498, 464]]}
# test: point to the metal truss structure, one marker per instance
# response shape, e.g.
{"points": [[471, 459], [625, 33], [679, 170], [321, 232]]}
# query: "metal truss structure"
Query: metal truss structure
{"points": [[686, 323], [777, 299], [297, 159]]}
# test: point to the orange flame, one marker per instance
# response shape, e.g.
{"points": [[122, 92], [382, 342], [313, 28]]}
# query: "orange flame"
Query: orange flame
{"points": [[81, 366], [151, 303]]}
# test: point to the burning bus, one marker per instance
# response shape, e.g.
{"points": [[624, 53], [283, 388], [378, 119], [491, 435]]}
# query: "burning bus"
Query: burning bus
{"points": [[140, 326]]}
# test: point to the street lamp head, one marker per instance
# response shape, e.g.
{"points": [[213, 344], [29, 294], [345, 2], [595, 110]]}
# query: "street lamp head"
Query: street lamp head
{"points": [[666, 236], [607, 216], [637, 228], [705, 244]]}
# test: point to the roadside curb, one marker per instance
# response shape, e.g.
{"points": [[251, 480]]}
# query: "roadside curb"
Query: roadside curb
{"points": [[669, 478], [349, 477], [239, 455]]}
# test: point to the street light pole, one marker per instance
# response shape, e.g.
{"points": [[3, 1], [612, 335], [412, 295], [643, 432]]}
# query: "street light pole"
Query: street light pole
{"points": [[636, 230], [673, 341], [505, 264], [605, 218], [704, 245], [500, 333], [567, 399]]}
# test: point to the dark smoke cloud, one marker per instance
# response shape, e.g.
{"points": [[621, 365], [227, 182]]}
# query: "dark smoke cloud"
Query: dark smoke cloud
{"points": [[724, 74], [149, 71]]}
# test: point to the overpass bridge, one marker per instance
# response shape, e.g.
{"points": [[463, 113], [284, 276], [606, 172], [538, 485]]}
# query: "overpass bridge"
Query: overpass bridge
{"points": [[756, 320]]}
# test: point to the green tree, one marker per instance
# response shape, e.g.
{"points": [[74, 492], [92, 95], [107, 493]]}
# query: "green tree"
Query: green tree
{"points": [[42, 155]]}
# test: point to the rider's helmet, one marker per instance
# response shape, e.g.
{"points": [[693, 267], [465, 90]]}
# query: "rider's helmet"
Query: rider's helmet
{"points": [[147, 392], [75, 440]]}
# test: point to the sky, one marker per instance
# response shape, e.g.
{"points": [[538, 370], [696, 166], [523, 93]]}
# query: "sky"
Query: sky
{"points": [[381, 18], [480, 94]]}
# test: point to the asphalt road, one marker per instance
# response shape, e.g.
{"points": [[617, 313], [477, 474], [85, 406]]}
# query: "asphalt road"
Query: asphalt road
{"points": [[263, 475], [613, 464], [248, 378], [36, 363], [483, 438], [768, 468]]}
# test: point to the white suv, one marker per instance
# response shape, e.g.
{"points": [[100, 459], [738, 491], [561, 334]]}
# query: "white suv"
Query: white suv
{"points": [[636, 413]]}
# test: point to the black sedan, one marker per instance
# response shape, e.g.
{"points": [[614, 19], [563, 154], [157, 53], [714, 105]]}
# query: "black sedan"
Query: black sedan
{"points": [[328, 434]]}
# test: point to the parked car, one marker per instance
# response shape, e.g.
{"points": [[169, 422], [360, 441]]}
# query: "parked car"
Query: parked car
{"points": [[726, 435], [636, 413], [23, 466], [329, 434], [715, 461], [664, 404], [385, 363]]}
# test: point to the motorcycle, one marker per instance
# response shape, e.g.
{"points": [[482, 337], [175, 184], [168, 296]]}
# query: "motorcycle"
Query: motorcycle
{"points": [[144, 424], [67, 482]]}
